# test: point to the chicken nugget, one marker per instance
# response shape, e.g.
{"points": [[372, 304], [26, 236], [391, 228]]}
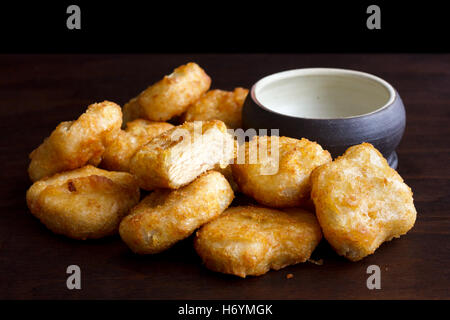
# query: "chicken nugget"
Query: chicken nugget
{"points": [[219, 105], [361, 202], [167, 216], [86, 203], [132, 110], [179, 155], [145, 128], [252, 240], [138, 132], [282, 178], [228, 174], [74, 144], [170, 96]]}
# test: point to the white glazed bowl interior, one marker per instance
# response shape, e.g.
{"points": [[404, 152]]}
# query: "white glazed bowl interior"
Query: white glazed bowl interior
{"points": [[323, 93]]}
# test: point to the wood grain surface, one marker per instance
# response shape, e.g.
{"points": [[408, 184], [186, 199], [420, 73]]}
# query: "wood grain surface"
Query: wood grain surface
{"points": [[39, 91]]}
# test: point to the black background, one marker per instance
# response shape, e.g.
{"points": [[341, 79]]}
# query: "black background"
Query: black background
{"points": [[223, 27]]}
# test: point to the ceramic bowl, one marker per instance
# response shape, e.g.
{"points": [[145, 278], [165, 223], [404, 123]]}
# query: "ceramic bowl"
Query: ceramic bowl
{"points": [[337, 108]]}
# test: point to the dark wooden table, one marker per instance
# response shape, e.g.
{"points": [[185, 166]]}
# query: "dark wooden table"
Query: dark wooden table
{"points": [[39, 91]]}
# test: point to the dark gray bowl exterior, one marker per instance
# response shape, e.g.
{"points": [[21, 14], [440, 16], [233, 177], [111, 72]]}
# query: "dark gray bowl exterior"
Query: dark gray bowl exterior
{"points": [[384, 128]]}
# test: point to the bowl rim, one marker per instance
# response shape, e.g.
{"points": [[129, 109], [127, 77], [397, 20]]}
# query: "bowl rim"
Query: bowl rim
{"points": [[323, 71]]}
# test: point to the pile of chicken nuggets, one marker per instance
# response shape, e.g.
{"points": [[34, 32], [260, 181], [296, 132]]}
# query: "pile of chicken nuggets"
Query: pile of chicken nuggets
{"points": [[89, 173]]}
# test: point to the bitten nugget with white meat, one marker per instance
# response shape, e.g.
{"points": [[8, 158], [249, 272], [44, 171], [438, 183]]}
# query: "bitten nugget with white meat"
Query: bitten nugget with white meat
{"points": [[220, 105], [74, 144], [170, 96], [361, 202], [252, 240], [86, 203], [167, 216], [281, 177], [179, 155], [138, 132]]}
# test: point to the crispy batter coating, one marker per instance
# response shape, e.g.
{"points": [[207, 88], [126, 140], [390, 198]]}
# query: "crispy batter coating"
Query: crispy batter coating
{"points": [[131, 111], [179, 155], [168, 216], [252, 240], [170, 96], [138, 132], [288, 184], [86, 203], [228, 174], [220, 105], [361, 202], [76, 143]]}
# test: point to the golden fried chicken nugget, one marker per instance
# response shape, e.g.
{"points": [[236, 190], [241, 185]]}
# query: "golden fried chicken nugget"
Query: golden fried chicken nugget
{"points": [[138, 132], [86, 203], [145, 128], [228, 174], [179, 155], [361, 202], [170, 96], [252, 240], [219, 105], [167, 216], [76, 143], [282, 178], [131, 111]]}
